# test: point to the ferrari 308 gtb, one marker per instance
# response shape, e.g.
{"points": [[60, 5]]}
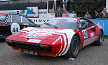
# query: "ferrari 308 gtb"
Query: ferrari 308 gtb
{"points": [[59, 37]]}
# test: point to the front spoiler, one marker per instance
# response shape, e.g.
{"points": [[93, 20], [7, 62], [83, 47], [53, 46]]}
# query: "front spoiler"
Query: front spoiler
{"points": [[29, 46], [42, 53]]}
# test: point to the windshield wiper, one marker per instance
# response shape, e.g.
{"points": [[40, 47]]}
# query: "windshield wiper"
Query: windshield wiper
{"points": [[51, 25]]}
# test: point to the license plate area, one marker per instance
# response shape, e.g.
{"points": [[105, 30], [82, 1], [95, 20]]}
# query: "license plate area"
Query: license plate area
{"points": [[30, 52]]}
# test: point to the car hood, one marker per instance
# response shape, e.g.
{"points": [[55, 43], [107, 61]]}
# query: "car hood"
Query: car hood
{"points": [[47, 36]]}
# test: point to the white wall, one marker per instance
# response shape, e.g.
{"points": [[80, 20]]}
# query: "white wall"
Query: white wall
{"points": [[39, 0], [9, 11], [107, 5]]}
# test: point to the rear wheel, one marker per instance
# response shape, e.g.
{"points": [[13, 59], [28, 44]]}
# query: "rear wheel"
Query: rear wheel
{"points": [[74, 48], [100, 40]]}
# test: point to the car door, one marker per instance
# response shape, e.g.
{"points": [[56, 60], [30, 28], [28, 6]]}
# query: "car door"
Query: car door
{"points": [[89, 31]]}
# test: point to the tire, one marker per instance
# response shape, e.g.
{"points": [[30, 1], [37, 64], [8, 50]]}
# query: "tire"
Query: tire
{"points": [[100, 40], [74, 48]]}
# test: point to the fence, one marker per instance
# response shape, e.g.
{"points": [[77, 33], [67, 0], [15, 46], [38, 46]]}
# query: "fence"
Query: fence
{"points": [[103, 23]]}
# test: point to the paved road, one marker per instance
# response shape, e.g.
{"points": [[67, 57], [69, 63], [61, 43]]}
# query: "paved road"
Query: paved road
{"points": [[91, 55]]}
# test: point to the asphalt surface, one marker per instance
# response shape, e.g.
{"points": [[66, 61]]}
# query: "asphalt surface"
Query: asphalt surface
{"points": [[90, 55]]}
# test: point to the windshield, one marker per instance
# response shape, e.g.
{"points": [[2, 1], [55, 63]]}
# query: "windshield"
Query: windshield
{"points": [[2, 17], [62, 23], [23, 20]]}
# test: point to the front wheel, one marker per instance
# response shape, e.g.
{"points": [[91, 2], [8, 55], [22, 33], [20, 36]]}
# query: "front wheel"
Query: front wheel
{"points": [[74, 48]]}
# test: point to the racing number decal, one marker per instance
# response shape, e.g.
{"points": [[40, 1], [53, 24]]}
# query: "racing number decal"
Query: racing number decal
{"points": [[15, 27], [85, 34]]}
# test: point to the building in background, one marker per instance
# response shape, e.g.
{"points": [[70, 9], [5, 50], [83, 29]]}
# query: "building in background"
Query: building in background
{"points": [[82, 5], [4, 0]]}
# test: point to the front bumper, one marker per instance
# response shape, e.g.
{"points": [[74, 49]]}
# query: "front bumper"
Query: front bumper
{"points": [[29, 46], [42, 53]]}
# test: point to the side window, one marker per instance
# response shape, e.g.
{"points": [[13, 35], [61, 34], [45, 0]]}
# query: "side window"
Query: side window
{"points": [[16, 18], [24, 19], [8, 19], [83, 23], [90, 24], [27, 22]]}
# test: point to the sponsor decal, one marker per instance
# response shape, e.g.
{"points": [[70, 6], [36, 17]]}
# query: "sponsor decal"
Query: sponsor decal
{"points": [[32, 36], [92, 34], [90, 40], [39, 20], [85, 34], [27, 29], [43, 30], [34, 40]]}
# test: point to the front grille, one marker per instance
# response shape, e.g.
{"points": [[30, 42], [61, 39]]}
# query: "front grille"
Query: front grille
{"points": [[29, 46]]}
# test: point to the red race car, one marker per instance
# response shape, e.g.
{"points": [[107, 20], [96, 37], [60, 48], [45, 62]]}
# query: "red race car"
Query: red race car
{"points": [[61, 36]]}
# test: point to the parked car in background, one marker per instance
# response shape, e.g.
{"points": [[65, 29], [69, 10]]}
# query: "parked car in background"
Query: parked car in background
{"points": [[10, 24], [61, 36]]}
